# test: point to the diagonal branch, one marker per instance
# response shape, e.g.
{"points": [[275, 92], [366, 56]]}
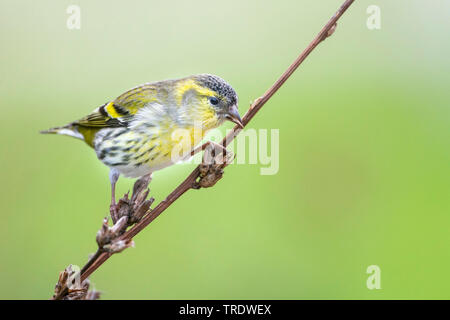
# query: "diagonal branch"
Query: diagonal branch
{"points": [[101, 256]]}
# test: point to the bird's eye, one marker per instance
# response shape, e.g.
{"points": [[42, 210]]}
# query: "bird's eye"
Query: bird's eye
{"points": [[213, 100]]}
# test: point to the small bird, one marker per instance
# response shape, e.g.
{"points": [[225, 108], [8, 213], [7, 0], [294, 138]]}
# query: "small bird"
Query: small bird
{"points": [[138, 132]]}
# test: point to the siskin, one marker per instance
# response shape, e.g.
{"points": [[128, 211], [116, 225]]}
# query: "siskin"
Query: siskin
{"points": [[136, 134]]}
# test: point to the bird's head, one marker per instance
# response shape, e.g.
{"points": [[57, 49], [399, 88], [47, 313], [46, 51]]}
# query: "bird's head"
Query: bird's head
{"points": [[216, 98]]}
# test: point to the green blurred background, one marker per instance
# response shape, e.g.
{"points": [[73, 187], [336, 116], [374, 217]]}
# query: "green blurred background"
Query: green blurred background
{"points": [[364, 173]]}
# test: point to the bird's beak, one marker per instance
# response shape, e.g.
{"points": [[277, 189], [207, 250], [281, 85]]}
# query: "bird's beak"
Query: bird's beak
{"points": [[233, 116]]}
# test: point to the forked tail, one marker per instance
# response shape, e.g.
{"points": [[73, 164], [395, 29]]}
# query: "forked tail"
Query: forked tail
{"points": [[68, 130]]}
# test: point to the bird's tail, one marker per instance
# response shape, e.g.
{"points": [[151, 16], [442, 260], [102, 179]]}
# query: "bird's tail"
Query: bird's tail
{"points": [[68, 130]]}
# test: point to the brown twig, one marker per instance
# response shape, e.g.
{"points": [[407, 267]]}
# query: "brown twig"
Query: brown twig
{"points": [[101, 256]]}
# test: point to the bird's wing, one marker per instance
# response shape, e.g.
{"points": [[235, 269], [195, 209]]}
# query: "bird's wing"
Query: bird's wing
{"points": [[117, 113]]}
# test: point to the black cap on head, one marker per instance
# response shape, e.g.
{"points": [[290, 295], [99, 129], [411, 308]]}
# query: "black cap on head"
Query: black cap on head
{"points": [[220, 86], [227, 107]]}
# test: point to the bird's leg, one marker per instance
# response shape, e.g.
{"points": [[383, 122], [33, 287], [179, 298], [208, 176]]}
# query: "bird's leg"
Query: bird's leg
{"points": [[113, 177]]}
